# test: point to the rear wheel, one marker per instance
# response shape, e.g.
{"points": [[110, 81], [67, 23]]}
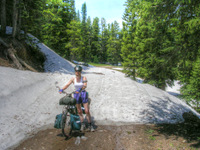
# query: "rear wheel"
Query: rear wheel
{"points": [[66, 129]]}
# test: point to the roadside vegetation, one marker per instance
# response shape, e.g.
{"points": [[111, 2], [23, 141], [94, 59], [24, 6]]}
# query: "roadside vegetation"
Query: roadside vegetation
{"points": [[105, 65]]}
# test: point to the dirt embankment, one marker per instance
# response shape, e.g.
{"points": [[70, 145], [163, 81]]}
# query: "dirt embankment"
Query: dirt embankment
{"points": [[19, 55]]}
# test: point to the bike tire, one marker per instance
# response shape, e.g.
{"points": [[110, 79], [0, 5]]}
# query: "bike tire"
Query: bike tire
{"points": [[66, 129]]}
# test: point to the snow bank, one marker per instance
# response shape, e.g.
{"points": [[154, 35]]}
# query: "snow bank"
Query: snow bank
{"points": [[120, 100], [27, 102], [175, 89]]}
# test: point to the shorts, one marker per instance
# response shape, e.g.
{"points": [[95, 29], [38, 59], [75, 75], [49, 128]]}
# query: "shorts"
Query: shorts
{"points": [[81, 97]]}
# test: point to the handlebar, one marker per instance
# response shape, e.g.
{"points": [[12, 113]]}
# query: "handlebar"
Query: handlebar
{"points": [[65, 92]]}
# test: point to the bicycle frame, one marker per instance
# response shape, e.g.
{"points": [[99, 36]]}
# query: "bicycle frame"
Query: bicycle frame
{"points": [[66, 121]]}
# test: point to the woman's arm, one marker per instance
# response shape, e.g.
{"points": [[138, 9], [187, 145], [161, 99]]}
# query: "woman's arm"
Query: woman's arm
{"points": [[68, 84]]}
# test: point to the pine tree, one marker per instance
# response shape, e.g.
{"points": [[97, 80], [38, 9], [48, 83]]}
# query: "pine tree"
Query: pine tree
{"points": [[127, 51], [84, 32], [3, 17], [103, 41], [95, 45], [78, 16], [187, 39], [187, 35], [56, 17], [75, 40], [89, 40], [114, 45], [151, 54], [191, 89]]}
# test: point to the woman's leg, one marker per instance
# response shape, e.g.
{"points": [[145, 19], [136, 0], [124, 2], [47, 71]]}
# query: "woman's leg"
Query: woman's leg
{"points": [[87, 112], [80, 113], [88, 116], [84, 97]]}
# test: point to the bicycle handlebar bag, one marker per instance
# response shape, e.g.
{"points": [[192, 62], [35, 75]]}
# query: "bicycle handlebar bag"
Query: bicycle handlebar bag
{"points": [[67, 100]]}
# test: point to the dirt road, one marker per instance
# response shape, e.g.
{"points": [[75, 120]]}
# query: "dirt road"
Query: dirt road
{"points": [[130, 137]]}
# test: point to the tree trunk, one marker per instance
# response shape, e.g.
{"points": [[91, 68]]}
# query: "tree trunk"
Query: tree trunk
{"points": [[3, 17], [24, 20], [14, 59], [19, 22], [15, 17]]}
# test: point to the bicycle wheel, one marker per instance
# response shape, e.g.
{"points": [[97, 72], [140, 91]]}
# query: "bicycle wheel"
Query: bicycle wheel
{"points": [[66, 129]]}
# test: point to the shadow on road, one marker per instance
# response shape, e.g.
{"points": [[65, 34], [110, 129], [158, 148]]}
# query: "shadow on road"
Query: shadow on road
{"points": [[189, 130]]}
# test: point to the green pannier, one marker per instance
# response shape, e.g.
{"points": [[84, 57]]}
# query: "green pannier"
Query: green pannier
{"points": [[67, 100], [58, 120], [75, 122]]}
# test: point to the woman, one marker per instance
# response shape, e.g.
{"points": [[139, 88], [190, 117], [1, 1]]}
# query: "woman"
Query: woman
{"points": [[80, 84]]}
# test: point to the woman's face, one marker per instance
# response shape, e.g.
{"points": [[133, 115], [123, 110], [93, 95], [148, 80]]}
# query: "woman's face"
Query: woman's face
{"points": [[78, 73]]}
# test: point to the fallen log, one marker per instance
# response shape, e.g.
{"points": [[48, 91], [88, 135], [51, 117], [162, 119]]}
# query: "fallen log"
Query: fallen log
{"points": [[14, 59], [26, 65]]}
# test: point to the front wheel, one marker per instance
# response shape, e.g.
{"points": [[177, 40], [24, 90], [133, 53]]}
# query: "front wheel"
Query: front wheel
{"points": [[65, 126]]}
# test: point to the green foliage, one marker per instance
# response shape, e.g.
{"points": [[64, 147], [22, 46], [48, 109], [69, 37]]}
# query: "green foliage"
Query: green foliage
{"points": [[95, 41], [75, 41], [103, 41], [191, 89], [160, 40], [150, 132], [114, 44], [152, 138], [56, 16], [56, 23], [96, 60]]}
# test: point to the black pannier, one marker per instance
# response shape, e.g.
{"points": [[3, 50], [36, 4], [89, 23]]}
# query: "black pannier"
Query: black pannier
{"points": [[67, 100]]}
